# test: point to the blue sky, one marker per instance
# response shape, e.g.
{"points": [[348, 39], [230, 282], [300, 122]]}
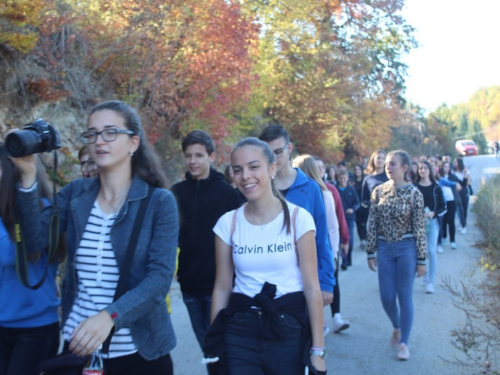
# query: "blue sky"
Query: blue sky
{"points": [[459, 50]]}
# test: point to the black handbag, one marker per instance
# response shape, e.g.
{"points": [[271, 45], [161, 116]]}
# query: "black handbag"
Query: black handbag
{"points": [[68, 363]]}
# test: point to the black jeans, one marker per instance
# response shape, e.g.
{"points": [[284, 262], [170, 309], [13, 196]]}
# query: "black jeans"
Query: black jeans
{"points": [[335, 305], [22, 349], [134, 364], [361, 220], [449, 220], [464, 195]]}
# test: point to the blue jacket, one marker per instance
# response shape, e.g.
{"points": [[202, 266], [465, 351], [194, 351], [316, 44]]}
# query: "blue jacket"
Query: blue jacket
{"points": [[22, 307], [143, 307], [306, 193]]}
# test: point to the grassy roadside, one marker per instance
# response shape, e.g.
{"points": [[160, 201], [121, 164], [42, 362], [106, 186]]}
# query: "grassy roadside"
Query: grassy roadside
{"points": [[478, 339], [487, 209]]}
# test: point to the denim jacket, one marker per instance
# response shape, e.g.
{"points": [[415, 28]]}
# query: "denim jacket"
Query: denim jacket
{"points": [[142, 308]]}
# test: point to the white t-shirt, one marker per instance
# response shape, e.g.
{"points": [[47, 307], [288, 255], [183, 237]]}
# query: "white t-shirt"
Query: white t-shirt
{"points": [[265, 252]]}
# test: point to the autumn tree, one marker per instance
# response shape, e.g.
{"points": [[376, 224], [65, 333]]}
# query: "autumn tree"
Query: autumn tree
{"points": [[330, 71]]}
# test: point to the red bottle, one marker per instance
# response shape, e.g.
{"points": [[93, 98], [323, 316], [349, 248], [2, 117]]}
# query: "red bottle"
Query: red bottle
{"points": [[95, 365]]}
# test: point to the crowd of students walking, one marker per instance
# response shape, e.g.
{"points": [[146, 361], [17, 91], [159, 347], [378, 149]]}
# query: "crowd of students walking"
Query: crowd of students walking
{"points": [[260, 248]]}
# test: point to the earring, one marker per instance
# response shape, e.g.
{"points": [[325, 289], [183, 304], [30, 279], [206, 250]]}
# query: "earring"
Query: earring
{"points": [[131, 154]]}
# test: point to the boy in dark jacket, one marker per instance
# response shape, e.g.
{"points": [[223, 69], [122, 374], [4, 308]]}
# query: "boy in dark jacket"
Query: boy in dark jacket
{"points": [[202, 199], [350, 201]]}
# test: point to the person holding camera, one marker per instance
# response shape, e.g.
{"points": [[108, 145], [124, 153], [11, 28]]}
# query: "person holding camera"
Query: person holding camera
{"points": [[97, 216], [29, 319]]}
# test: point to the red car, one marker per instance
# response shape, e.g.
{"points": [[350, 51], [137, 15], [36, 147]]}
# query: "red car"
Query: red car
{"points": [[466, 147]]}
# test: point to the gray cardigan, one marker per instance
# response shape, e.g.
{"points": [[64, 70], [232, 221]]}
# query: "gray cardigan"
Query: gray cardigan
{"points": [[142, 308]]}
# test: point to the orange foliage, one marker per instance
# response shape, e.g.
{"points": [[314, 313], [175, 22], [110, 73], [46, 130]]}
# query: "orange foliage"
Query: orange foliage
{"points": [[46, 90]]}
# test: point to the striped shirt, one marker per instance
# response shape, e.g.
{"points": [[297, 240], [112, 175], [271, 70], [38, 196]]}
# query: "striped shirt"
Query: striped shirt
{"points": [[98, 274]]}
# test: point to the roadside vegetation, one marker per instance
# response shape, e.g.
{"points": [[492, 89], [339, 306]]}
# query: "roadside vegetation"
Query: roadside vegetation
{"points": [[479, 338]]}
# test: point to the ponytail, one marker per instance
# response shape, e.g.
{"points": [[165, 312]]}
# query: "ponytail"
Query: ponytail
{"points": [[286, 211]]}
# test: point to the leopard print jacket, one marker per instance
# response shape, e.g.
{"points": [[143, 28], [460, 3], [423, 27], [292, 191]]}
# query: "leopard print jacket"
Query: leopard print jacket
{"points": [[392, 218]]}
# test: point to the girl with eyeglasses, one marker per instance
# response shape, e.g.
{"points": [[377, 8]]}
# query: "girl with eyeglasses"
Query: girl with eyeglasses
{"points": [[97, 216]]}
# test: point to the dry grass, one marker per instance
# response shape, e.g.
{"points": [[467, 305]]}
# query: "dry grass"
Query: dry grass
{"points": [[479, 338]]}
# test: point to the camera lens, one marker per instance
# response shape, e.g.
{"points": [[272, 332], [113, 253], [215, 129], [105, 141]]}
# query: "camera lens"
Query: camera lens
{"points": [[22, 143]]}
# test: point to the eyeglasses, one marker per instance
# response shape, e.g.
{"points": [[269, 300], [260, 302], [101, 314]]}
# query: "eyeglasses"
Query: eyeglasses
{"points": [[279, 151], [87, 165], [109, 135]]}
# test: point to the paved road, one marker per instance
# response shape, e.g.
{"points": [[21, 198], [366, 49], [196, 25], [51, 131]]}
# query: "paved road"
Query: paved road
{"points": [[364, 348]]}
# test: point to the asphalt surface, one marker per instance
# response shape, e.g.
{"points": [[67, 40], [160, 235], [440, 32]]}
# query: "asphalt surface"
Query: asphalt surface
{"points": [[364, 347]]}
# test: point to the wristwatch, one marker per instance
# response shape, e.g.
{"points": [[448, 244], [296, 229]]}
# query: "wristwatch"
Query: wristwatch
{"points": [[318, 351]]}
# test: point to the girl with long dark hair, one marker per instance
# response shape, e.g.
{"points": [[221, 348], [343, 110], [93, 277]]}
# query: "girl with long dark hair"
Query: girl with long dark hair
{"points": [[331, 174], [29, 319], [435, 207], [463, 177], [397, 246], [452, 199], [97, 216], [374, 175], [269, 246]]}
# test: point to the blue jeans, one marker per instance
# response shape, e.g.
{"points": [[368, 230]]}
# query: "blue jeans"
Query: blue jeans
{"points": [[199, 314], [22, 349], [397, 266], [249, 354], [432, 239]]}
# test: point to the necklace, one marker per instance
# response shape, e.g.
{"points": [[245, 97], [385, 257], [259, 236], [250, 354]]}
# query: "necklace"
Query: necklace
{"points": [[115, 204], [255, 221]]}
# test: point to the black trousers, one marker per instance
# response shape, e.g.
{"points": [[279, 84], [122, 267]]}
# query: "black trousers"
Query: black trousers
{"points": [[22, 349], [449, 220], [134, 364], [361, 220], [335, 305]]}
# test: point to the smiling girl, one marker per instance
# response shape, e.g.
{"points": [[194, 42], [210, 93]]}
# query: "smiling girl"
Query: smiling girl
{"points": [[269, 245]]}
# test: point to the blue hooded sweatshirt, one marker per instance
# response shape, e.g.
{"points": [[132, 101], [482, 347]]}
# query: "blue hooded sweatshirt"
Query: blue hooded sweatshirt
{"points": [[22, 307], [306, 193]]}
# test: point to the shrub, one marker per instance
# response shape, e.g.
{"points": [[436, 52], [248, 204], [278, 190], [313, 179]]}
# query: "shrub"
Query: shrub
{"points": [[478, 339], [487, 209]]}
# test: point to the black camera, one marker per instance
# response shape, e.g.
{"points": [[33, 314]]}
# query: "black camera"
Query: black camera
{"points": [[34, 138]]}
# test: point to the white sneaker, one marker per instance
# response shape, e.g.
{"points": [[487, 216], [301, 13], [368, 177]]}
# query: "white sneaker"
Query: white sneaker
{"points": [[453, 245], [463, 230], [440, 249], [339, 324], [430, 288], [403, 353]]}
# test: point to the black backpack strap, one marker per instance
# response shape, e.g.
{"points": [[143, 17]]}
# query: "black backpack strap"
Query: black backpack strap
{"points": [[121, 288], [22, 253]]}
